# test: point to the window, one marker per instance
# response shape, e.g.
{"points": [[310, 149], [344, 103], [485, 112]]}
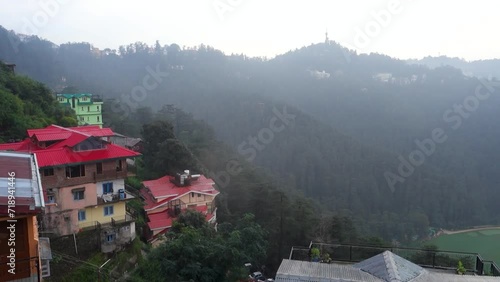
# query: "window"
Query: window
{"points": [[82, 119], [78, 194], [98, 167], [48, 171], [192, 194], [84, 98], [81, 215], [119, 166], [75, 171], [88, 108], [97, 108], [51, 199], [110, 237], [108, 210], [98, 118], [82, 109], [91, 143], [199, 195], [88, 118], [107, 188]]}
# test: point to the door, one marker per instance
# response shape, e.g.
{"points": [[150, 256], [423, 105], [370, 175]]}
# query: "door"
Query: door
{"points": [[22, 255]]}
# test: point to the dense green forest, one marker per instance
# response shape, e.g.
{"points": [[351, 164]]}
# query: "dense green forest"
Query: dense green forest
{"points": [[260, 218], [26, 104], [349, 123], [174, 141]]}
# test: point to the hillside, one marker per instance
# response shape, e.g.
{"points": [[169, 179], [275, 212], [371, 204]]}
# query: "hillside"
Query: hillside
{"points": [[27, 104], [352, 120]]}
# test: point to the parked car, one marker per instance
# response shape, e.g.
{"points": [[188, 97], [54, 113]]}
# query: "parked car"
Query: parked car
{"points": [[257, 276]]}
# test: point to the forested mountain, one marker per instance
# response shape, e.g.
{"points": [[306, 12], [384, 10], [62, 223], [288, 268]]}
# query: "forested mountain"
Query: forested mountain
{"points": [[480, 68], [350, 117], [27, 104]]}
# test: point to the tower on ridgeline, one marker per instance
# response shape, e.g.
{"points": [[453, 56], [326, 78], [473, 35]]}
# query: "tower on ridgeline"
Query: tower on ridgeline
{"points": [[327, 40]]}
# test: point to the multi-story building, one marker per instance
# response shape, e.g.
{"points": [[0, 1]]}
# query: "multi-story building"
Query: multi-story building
{"points": [[88, 108], [82, 175], [21, 199], [165, 198]]}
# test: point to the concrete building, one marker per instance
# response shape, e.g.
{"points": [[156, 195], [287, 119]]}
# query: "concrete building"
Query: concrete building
{"points": [[82, 175], [165, 198], [88, 108]]}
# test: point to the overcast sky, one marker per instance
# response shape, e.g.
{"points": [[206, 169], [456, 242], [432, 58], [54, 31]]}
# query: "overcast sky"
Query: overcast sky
{"points": [[403, 29]]}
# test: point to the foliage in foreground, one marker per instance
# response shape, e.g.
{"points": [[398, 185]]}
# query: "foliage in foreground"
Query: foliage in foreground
{"points": [[194, 251]]}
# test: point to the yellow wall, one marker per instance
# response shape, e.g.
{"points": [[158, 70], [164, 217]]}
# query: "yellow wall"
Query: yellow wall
{"points": [[188, 200], [97, 213]]}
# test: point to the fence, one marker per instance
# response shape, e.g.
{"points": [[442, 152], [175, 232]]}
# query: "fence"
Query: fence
{"points": [[473, 262]]}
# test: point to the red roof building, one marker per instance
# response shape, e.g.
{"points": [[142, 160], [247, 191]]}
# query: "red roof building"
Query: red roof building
{"points": [[167, 196], [82, 174]]}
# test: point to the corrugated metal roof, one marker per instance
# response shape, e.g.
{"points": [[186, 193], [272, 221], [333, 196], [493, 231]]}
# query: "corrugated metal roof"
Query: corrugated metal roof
{"points": [[61, 156], [26, 181], [390, 267], [397, 269], [60, 153], [293, 271]]}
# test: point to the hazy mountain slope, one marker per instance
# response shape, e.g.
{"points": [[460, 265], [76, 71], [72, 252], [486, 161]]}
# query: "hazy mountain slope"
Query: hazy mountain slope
{"points": [[324, 90]]}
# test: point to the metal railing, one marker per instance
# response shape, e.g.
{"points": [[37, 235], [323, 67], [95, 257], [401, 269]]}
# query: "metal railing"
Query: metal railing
{"points": [[112, 198], [483, 269], [116, 220], [473, 262]]}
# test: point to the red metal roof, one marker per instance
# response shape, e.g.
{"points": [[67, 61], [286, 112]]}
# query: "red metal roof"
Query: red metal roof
{"points": [[61, 153], [61, 156], [163, 220], [163, 187], [94, 130]]}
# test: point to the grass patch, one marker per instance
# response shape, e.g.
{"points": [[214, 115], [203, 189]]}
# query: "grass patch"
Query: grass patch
{"points": [[485, 242]]}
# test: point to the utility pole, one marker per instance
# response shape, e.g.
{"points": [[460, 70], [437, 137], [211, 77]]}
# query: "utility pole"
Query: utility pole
{"points": [[99, 271]]}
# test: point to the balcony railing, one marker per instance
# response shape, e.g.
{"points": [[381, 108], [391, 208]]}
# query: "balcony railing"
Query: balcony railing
{"points": [[473, 262], [115, 220], [113, 198]]}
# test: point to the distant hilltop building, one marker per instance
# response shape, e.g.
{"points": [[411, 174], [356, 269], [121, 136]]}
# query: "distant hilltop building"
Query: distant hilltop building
{"points": [[88, 107]]}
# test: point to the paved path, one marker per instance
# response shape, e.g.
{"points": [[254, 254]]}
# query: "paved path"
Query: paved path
{"points": [[467, 230]]}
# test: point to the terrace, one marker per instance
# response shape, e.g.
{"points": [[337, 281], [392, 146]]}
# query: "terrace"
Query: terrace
{"points": [[436, 260]]}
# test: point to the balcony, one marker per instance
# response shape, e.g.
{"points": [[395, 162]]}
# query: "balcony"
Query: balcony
{"points": [[113, 198], [433, 259], [118, 220], [115, 220]]}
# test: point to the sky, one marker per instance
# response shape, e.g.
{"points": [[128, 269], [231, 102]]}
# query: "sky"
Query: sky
{"points": [[399, 28]]}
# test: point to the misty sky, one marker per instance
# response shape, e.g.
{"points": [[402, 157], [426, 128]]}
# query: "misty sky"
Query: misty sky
{"points": [[403, 29]]}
